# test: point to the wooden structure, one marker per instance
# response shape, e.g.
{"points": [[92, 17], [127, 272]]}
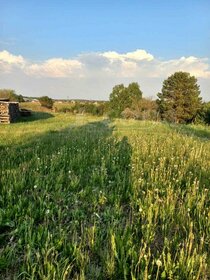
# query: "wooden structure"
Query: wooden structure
{"points": [[9, 111]]}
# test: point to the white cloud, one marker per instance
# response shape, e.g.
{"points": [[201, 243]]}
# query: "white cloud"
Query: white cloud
{"points": [[198, 67], [98, 72], [137, 55], [7, 57], [55, 68], [8, 61]]}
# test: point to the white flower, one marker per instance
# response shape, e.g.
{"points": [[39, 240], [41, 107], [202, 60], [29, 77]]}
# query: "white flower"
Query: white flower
{"points": [[140, 209], [35, 186], [47, 211], [158, 262]]}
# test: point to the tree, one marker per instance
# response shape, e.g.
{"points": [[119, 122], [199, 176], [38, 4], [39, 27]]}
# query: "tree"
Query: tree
{"points": [[46, 101], [135, 94], [11, 95], [123, 97], [179, 100]]}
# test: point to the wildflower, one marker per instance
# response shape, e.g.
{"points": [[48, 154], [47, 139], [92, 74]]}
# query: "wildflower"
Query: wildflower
{"points": [[35, 186], [188, 209], [158, 262], [140, 209], [47, 211]]}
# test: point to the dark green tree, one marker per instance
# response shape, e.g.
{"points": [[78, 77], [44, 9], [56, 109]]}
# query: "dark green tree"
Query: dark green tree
{"points": [[123, 97], [46, 101], [179, 100]]}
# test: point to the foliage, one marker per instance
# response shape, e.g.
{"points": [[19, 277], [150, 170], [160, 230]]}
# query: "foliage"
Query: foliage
{"points": [[94, 108], [11, 95], [83, 198], [135, 94], [207, 113], [179, 100], [144, 109], [123, 97], [46, 101], [204, 114]]}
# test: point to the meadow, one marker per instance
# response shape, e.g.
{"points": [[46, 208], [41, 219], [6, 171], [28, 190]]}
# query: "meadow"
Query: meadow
{"points": [[92, 198]]}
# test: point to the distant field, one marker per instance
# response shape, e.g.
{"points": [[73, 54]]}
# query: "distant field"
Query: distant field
{"points": [[90, 198], [35, 106]]}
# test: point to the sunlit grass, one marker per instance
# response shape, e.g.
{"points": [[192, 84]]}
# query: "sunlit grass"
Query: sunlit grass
{"points": [[86, 198]]}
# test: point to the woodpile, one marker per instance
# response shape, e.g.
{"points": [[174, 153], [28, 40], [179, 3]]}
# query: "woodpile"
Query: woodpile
{"points": [[9, 111]]}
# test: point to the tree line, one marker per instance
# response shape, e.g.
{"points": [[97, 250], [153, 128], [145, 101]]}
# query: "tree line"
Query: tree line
{"points": [[179, 101]]}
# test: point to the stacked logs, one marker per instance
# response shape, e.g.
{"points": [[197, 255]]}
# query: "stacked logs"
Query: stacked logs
{"points": [[9, 111]]}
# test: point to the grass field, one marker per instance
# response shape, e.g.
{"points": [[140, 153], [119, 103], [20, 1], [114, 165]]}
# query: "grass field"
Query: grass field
{"points": [[91, 198]]}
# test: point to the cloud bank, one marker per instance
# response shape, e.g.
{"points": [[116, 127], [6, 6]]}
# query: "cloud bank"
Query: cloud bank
{"points": [[92, 75]]}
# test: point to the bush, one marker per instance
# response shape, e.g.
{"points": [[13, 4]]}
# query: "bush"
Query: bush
{"points": [[144, 109], [46, 102], [203, 116], [11, 95]]}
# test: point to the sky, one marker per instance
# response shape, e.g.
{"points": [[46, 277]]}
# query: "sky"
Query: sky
{"points": [[82, 48]]}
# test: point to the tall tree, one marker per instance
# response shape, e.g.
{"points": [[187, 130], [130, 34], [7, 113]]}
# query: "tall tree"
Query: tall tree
{"points": [[123, 97], [179, 100], [135, 94]]}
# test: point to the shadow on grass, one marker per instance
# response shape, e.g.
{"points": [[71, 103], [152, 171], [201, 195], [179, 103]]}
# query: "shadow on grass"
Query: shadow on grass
{"points": [[78, 172], [35, 116], [192, 131]]}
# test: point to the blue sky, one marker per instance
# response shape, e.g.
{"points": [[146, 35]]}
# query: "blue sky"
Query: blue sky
{"points": [[44, 30]]}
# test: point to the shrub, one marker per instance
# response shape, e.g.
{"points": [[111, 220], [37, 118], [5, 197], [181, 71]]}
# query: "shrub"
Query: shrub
{"points": [[46, 101]]}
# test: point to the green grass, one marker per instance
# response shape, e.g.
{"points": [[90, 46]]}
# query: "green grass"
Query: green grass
{"points": [[87, 198]]}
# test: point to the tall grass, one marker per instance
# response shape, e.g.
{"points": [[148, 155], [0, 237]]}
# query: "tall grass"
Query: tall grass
{"points": [[93, 199]]}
